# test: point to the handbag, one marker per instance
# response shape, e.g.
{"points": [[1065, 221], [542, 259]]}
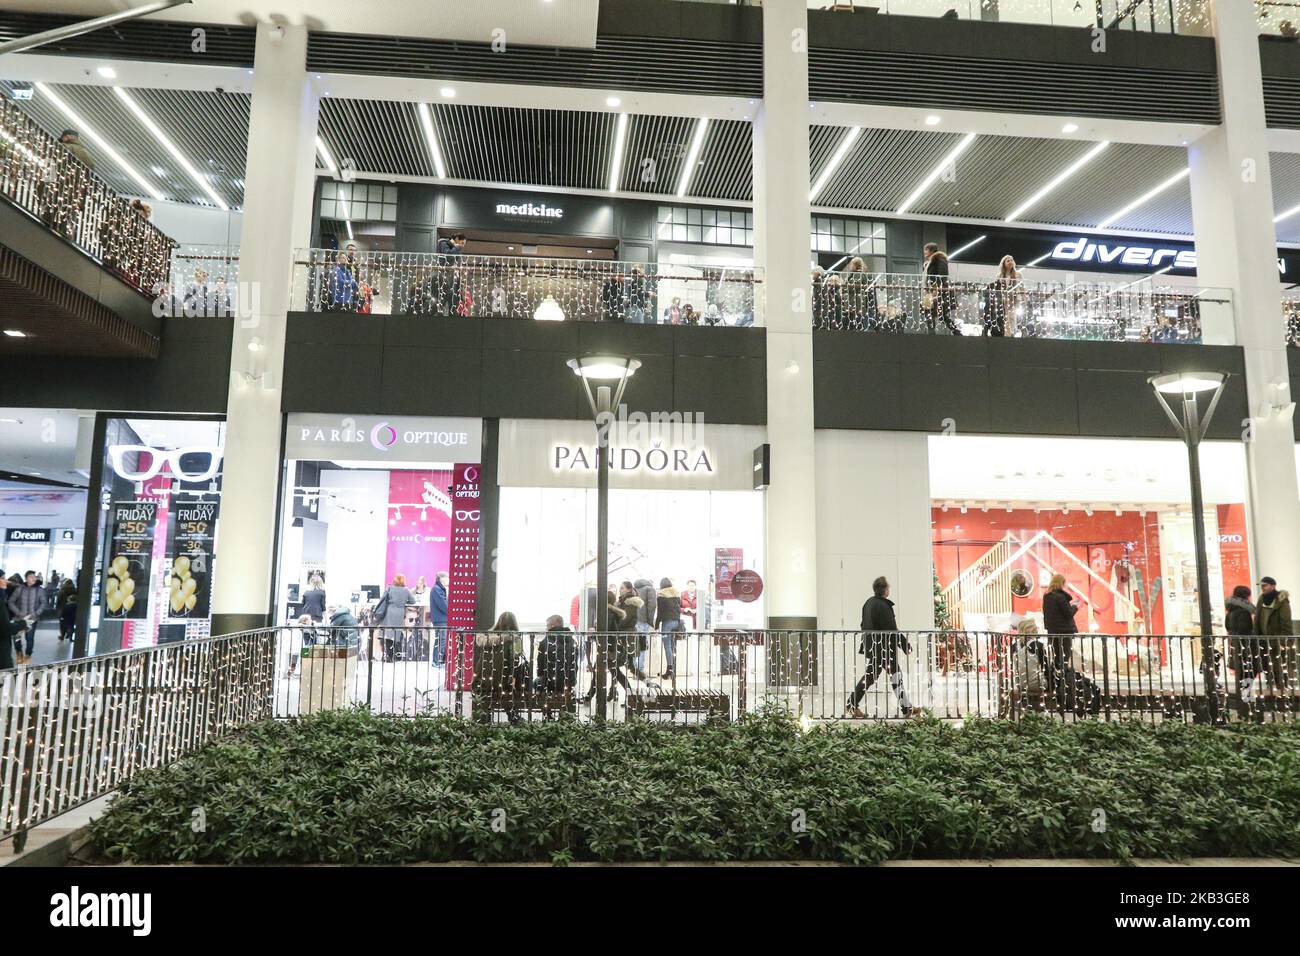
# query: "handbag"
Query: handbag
{"points": [[927, 301], [381, 608]]}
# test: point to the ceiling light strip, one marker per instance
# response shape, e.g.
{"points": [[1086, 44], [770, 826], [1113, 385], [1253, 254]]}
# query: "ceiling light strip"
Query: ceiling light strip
{"points": [[620, 148], [836, 158], [1145, 198], [692, 157], [326, 156], [935, 173], [1060, 178], [93, 135], [431, 139], [147, 122], [970, 245]]}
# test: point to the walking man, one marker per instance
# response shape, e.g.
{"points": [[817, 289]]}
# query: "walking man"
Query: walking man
{"points": [[1273, 620], [881, 642], [27, 601]]}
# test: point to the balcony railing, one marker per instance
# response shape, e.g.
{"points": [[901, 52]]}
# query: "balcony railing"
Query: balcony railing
{"points": [[204, 282], [45, 180], [526, 288], [1291, 310], [909, 303]]}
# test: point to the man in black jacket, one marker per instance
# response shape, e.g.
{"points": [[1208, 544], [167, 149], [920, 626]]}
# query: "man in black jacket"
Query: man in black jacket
{"points": [[557, 664], [7, 628], [881, 642]]}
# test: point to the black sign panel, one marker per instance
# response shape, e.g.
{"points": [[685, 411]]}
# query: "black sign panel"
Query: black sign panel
{"points": [[553, 213], [27, 535]]}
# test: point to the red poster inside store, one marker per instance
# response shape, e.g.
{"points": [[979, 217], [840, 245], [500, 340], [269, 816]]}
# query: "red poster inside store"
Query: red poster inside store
{"points": [[462, 586]]}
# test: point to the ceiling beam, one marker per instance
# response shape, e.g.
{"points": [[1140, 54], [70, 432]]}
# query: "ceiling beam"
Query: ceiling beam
{"points": [[133, 74], [984, 123]]}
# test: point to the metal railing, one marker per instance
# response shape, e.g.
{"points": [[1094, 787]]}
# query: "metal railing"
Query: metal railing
{"points": [[1291, 312], [76, 730], [911, 303], [1278, 18], [42, 177], [526, 288], [204, 283]]}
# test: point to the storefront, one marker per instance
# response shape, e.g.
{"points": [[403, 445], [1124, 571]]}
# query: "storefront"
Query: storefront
{"points": [[367, 500], [1111, 515], [682, 507], [158, 532]]}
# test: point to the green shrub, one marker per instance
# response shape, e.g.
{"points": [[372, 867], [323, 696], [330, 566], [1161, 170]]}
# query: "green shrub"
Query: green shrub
{"points": [[350, 787]]}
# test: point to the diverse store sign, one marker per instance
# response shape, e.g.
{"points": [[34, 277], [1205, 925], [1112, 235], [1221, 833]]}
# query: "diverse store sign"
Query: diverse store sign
{"points": [[1121, 254], [315, 437], [27, 536]]}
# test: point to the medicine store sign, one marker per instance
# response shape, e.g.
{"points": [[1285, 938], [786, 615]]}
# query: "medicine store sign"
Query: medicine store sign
{"points": [[373, 438]]}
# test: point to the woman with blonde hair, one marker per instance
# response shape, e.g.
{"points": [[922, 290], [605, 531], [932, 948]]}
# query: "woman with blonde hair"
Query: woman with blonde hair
{"points": [[1003, 298], [1058, 620]]}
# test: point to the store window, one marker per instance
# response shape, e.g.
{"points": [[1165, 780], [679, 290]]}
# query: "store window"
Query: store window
{"points": [[158, 532], [853, 237], [357, 202], [369, 499], [722, 227], [1111, 515], [682, 507]]}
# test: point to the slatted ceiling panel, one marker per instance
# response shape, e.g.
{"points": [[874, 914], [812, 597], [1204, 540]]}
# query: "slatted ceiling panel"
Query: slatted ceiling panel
{"points": [[1170, 212], [1119, 175], [1286, 193], [726, 169], [983, 83], [996, 174], [822, 141], [664, 139], [375, 135], [211, 130], [1282, 101], [884, 167], [144, 39]]}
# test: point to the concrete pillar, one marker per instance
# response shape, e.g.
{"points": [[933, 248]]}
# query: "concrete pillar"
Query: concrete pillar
{"points": [[278, 190], [1236, 247], [781, 248]]}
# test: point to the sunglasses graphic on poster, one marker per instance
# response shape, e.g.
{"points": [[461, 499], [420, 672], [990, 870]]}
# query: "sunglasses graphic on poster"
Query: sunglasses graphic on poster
{"points": [[125, 585], [194, 534]]}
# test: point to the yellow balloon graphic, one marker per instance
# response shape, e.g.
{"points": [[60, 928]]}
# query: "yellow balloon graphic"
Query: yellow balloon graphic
{"points": [[111, 584], [190, 602], [181, 564], [190, 586], [120, 566], [177, 602], [128, 585], [128, 602], [114, 601]]}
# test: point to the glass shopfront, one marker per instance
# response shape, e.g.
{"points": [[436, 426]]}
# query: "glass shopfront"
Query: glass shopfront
{"points": [[1111, 515], [368, 500], [158, 531], [682, 507]]}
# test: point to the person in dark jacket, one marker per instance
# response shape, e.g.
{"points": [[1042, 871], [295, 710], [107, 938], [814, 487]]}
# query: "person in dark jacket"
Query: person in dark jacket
{"points": [[1058, 621], [449, 249], [497, 658], [1246, 655], [343, 627], [8, 628], [313, 600], [67, 593], [438, 617], [881, 642], [342, 286], [939, 301], [645, 618], [27, 602], [1273, 620], [557, 663], [668, 619], [638, 296]]}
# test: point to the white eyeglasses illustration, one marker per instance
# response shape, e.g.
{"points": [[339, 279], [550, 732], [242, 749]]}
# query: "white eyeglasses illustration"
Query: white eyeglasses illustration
{"points": [[189, 463], [467, 515]]}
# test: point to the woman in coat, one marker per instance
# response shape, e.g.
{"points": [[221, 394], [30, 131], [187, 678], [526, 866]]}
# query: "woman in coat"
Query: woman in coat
{"points": [[498, 674], [668, 619], [860, 305], [1058, 620], [1246, 656], [390, 614]]}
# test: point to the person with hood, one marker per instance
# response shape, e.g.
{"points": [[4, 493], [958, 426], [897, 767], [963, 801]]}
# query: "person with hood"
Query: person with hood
{"points": [[1246, 655], [438, 617], [881, 642], [1272, 620], [668, 619], [27, 601], [938, 300], [557, 664], [343, 627]]}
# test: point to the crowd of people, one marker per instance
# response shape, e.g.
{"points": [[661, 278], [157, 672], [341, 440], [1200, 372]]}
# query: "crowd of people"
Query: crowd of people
{"points": [[24, 601]]}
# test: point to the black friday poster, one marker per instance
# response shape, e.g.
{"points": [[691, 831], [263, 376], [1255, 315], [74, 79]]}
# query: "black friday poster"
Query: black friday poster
{"points": [[125, 586], [193, 545]]}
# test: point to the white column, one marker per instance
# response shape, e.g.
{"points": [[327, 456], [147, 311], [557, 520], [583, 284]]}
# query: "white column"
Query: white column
{"points": [[781, 248], [1236, 247], [278, 185]]}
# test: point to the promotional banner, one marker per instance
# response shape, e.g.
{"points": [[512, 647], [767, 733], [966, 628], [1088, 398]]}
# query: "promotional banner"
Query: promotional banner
{"points": [[726, 562], [193, 547], [129, 558], [419, 525], [462, 585]]}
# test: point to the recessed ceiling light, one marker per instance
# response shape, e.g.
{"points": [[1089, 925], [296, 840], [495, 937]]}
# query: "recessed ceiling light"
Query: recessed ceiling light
{"points": [[613, 101], [447, 92], [933, 120], [588, 252], [15, 334], [1070, 128], [107, 72]]}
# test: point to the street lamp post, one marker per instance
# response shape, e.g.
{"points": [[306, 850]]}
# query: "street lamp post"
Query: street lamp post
{"points": [[610, 373], [1192, 425]]}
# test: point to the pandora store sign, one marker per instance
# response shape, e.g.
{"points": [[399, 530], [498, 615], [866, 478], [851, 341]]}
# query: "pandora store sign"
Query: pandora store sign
{"points": [[563, 454]]}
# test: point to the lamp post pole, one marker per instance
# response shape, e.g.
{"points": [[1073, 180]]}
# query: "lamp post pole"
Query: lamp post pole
{"points": [[1192, 426], [602, 547]]}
